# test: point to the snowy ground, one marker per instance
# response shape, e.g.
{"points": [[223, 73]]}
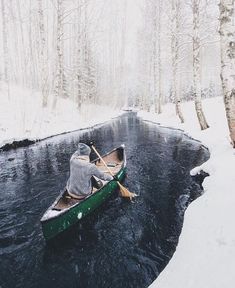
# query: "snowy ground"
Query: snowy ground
{"points": [[205, 256], [21, 116]]}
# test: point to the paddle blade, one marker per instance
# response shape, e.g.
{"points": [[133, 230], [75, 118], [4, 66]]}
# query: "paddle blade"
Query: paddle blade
{"points": [[125, 192]]}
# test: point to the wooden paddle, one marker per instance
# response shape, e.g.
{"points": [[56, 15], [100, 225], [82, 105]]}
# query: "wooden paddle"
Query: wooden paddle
{"points": [[124, 191]]}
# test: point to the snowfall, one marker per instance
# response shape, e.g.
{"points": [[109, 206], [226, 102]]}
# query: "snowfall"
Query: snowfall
{"points": [[205, 255]]}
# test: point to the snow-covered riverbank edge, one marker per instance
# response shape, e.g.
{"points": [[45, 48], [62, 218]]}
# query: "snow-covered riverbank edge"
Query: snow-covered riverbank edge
{"points": [[23, 142], [205, 255], [22, 117]]}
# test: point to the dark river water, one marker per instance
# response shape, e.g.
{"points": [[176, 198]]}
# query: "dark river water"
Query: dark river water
{"points": [[122, 244]]}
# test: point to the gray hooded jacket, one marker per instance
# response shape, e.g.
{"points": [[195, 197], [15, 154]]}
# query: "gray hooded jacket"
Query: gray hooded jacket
{"points": [[81, 171]]}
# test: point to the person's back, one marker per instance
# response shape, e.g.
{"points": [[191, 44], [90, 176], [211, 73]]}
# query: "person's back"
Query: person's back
{"points": [[81, 171]]}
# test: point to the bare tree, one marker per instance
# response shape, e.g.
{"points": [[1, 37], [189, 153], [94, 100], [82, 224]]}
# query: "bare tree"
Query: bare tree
{"points": [[5, 42], [155, 32], [23, 45], [31, 49], [60, 81], [196, 66], [78, 68], [175, 25], [143, 75], [157, 66], [43, 55], [227, 41], [159, 106], [147, 58]]}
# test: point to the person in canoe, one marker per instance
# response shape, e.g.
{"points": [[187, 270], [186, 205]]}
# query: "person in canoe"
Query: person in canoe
{"points": [[81, 180]]}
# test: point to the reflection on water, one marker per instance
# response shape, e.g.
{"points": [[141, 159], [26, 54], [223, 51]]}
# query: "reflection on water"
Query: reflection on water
{"points": [[122, 244]]}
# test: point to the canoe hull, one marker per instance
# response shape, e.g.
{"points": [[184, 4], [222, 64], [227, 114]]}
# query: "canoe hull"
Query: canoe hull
{"points": [[54, 226]]}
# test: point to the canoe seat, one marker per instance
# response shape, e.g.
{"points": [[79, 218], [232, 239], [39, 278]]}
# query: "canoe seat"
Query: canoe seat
{"points": [[112, 164], [65, 202], [114, 169]]}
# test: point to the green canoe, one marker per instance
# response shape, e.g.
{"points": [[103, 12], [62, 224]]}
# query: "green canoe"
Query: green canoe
{"points": [[65, 211]]}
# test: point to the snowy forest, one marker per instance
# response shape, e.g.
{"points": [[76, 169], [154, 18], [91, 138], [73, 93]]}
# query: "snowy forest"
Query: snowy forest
{"points": [[148, 84], [118, 54]]}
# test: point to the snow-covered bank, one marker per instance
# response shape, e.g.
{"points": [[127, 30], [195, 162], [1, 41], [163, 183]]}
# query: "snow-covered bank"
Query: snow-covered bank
{"points": [[21, 116], [205, 256]]}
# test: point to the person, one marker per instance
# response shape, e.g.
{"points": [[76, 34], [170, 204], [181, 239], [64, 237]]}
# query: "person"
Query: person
{"points": [[79, 184]]}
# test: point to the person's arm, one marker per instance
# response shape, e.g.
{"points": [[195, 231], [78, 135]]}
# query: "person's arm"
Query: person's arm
{"points": [[96, 172]]}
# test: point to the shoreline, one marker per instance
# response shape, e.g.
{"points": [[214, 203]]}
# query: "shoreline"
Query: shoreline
{"points": [[205, 254], [15, 144]]}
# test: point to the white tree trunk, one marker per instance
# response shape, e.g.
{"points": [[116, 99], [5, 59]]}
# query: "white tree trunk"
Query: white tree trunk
{"points": [[60, 81], [17, 65], [23, 46], [86, 56], [196, 67], [43, 56], [157, 65], [5, 42], [227, 41], [78, 68], [155, 55], [159, 106], [31, 48], [175, 56], [122, 75]]}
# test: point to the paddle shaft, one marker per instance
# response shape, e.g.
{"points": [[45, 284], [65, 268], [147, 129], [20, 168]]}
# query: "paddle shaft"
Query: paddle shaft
{"points": [[102, 160]]}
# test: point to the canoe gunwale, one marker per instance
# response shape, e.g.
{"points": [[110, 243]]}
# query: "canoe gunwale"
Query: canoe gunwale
{"points": [[60, 213]]}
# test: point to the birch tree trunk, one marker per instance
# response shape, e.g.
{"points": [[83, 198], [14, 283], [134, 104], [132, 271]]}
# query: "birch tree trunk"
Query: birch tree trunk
{"points": [[43, 56], [159, 106], [155, 55], [5, 42], [227, 42], [86, 56], [175, 55], [148, 100], [157, 62], [17, 65], [78, 59], [60, 82], [197, 66], [122, 59], [23, 46], [32, 66]]}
